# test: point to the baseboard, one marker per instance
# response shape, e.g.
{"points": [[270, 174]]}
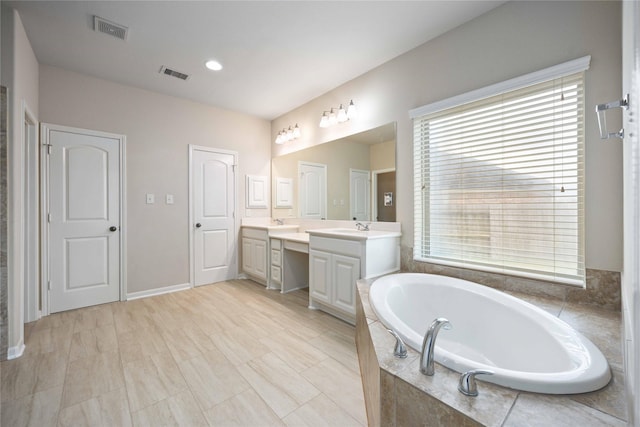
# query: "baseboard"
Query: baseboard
{"points": [[16, 351], [158, 291]]}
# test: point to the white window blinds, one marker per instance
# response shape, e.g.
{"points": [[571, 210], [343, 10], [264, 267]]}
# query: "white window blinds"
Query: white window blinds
{"points": [[499, 182]]}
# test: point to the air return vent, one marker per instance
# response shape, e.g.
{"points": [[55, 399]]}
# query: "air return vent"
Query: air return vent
{"points": [[118, 31], [173, 73]]}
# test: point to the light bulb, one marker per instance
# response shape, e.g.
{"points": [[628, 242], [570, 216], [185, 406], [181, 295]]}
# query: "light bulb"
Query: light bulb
{"points": [[352, 113], [324, 121], [332, 118], [279, 139], [213, 65], [296, 132], [342, 115]]}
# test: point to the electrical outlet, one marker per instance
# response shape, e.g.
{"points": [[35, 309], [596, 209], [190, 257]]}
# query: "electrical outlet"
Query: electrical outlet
{"points": [[151, 199]]}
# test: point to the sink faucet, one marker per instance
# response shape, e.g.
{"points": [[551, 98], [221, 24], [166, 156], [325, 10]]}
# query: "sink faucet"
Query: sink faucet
{"points": [[429, 343], [362, 227], [279, 221]]}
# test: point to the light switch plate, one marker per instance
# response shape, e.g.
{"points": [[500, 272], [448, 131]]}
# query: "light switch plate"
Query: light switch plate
{"points": [[169, 199], [151, 199]]}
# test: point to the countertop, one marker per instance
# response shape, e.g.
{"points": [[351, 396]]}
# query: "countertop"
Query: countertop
{"points": [[294, 237]]}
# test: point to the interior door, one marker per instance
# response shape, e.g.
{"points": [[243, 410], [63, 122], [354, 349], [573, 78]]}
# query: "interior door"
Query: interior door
{"points": [[213, 196], [359, 195], [84, 218], [312, 190], [385, 196]]}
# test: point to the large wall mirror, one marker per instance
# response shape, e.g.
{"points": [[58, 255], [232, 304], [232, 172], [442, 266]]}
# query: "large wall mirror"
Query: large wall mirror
{"points": [[352, 178]]}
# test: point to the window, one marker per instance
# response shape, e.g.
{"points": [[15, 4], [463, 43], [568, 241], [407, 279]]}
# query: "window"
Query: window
{"points": [[499, 180]]}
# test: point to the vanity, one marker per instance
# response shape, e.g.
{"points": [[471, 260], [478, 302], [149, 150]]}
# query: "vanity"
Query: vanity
{"points": [[289, 261], [338, 257], [256, 249]]}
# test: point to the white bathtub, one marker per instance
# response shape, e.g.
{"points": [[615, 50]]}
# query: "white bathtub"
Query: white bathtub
{"points": [[526, 347]]}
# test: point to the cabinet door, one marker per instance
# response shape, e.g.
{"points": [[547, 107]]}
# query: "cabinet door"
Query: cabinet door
{"points": [[247, 255], [260, 258], [320, 276], [346, 270]]}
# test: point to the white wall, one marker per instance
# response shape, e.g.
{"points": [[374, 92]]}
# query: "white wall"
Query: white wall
{"points": [[511, 40], [20, 75], [158, 129]]}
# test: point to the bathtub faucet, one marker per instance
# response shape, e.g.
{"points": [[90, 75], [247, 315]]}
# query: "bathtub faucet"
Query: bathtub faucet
{"points": [[429, 343]]}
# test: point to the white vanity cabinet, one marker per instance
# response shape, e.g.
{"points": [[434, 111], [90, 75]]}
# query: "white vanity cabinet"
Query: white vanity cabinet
{"points": [[276, 262], [339, 257], [257, 256], [254, 253], [331, 278]]}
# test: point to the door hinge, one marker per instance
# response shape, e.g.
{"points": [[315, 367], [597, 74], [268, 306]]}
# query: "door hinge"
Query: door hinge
{"points": [[234, 167], [49, 285], [49, 218], [48, 148]]}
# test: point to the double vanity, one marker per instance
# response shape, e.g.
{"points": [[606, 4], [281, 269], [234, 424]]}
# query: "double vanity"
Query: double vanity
{"points": [[326, 256]]}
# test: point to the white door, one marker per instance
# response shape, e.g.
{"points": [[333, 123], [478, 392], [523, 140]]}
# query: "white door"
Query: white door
{"points": [[312, 191], [359, 195], [213, 198], [84, 223]]}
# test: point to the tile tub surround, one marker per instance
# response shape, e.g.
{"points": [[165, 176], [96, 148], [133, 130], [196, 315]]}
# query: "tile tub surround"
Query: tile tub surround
{"points": [[231, 353], [603, 287], [397, 394]]}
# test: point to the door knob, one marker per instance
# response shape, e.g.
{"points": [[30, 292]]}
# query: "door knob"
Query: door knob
{"points": [[113, 228], [198, 225]]}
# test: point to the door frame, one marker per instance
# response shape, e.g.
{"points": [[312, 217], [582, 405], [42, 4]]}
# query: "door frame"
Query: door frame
{"points": [[45, 128], [32, 264], [192, 258], [374, 191]]}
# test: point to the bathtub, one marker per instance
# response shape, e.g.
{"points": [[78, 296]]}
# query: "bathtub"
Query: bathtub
{"points": [[527, 348]]}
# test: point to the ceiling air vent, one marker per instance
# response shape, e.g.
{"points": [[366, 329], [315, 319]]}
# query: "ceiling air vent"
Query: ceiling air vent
{"points": [[173, 73], [118, 31]]}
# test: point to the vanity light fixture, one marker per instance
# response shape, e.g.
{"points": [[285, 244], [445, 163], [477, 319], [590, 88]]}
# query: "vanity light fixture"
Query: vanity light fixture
{"points": [[332, 117], [288, 134]]}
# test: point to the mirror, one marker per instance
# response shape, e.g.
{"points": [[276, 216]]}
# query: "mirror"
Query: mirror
{"points": [[352, 178]]}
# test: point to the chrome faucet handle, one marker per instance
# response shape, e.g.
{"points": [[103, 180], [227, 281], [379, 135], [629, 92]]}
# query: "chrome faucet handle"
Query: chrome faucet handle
{"points": [[362, 227], [279, 221], [467, 384], [400, 350]]}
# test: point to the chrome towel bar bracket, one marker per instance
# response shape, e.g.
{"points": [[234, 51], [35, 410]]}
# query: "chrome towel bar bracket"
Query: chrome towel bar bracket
{"points": [[602, 120]]}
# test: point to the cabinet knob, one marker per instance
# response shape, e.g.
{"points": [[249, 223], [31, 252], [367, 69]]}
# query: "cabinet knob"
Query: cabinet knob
{"points": [[198, 225]]}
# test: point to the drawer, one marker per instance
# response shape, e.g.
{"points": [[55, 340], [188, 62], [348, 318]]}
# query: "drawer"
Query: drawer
{"points": [[276, 244], [296, 246], [276, 274], [352, 248], [254, 233], [276, 257]]}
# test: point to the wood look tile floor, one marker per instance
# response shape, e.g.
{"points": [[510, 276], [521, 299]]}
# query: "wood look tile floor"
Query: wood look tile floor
{"points": [[227, 354]]}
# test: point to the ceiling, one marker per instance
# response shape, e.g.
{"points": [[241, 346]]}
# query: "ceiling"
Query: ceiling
{"points": [[277, 55]]}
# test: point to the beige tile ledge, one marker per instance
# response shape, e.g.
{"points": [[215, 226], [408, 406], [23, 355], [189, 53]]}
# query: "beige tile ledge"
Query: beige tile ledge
{"points": [[397, 394], [603, 288]]}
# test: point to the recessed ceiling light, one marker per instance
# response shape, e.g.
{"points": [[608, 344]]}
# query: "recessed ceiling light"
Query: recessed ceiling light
{"points": [[213, 65]]}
